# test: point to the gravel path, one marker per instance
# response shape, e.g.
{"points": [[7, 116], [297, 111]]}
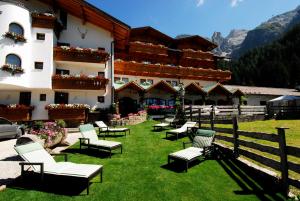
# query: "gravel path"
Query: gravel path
{"points": [[9, 160]]}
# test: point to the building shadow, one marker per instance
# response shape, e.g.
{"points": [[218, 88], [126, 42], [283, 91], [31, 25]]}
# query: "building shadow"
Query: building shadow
{"points": [[60, 185], [96, 153], [251, 183]]}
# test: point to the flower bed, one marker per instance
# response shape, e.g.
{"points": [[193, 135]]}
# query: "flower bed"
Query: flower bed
{"points": [[53, 133], [160, 109], [131, 119], [69, 112], [65, 53], [12, 69], [15, 37], [16, 112]]}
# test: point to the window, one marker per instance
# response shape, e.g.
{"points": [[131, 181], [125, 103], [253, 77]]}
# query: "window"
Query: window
{"points": [[142, 81], [169, 82], [63, 44], [40, 36], [13, 60], [61, 98], [43, 97], [62, 72], [245, 103], [25, 98], [101, 74], [150, 81], [263, 102], [126, 80], [39, 65], [16, 28], [4, 121], [174, 83], [101, 99], [117, 79]]}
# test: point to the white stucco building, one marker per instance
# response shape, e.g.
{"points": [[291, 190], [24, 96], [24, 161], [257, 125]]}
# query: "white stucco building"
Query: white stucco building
{"points": [[57, 53]]}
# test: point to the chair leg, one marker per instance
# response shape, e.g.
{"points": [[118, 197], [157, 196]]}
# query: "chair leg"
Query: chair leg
{"points": [[110, 153], [101, 177], [187, 166], [88, 187], [121, 149], [169, 160], [177, 136]]}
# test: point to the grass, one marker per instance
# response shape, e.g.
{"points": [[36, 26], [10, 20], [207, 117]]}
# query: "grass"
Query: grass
{"points": [[141, 173]]}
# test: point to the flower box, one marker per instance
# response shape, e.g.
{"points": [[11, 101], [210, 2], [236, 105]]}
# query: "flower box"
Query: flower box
{"points": [[43, 20], [69, 112], [15, 37], [76, 54], [16, 112], [12, 69], [82, 82]]}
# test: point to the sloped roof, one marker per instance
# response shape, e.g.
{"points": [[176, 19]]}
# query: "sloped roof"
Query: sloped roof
{"points": [[162, 85], [194, 88], [130, 85], [264, 90], [199, 40], [216, 86]]}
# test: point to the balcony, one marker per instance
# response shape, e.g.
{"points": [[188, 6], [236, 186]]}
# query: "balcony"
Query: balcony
{"points": [[85, 55], [81, 82], [189, 53], [148, 48], [166, 71], [43, 20]]}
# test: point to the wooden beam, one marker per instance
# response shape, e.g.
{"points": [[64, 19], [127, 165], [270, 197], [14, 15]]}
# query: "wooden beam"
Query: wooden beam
{"points": [[83, 14]]}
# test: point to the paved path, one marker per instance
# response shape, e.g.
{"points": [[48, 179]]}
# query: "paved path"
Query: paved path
{"points": [[9, 160]]}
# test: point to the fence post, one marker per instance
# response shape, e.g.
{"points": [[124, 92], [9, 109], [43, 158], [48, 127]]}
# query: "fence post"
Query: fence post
{"points": [[212, 116], [191, 112], [283, 159], [235, 137], [199, 117], [239, 109]]}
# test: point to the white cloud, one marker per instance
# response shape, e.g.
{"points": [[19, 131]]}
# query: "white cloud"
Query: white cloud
{"points": [[200, 3], [234, 3]]}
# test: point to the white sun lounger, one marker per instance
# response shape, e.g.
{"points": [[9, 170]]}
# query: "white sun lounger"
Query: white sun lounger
{"points": [[182, 130], [104, 128], [42, 162], [202, 144], [90, 139]]}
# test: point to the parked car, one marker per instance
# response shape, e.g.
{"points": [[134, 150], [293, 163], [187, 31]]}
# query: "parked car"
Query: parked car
{"points": [[9, 129]]}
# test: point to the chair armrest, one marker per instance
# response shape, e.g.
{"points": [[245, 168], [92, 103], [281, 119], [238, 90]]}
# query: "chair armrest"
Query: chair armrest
{"points": [[61, 154], [82, 140], [186, 143]]}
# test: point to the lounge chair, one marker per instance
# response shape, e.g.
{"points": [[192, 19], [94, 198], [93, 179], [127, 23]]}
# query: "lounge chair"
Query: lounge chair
{"points": [[103, 128], [43, 163], [202, 146], [182, 130], [165, 124], [90, 139]]}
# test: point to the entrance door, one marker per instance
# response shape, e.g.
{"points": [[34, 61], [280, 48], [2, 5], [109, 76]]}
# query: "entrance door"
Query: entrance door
{"points": [[25, 98], [127, 105]]}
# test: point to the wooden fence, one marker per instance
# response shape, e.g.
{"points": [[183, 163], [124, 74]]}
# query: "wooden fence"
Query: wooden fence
{"points": [[283, 151], [227, 111]]}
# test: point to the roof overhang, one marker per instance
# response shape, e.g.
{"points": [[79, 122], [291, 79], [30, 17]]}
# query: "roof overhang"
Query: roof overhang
{"points": [[164, 86], [194, 88], [130, 85], [89, 13], [218, 89], [193, 41]]}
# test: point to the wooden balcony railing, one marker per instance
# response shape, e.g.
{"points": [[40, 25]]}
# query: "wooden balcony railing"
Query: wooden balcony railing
{"points": [[80, 55], [43, 21], [197, 54], [80, 83], [20, 113], [165, 71], [148, 48]]}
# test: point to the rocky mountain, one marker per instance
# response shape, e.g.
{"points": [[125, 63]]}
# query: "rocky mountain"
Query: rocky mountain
{"points": [[230, 43], [239, 42]]}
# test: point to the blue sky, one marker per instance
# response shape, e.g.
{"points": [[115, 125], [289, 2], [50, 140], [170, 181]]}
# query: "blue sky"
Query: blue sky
{"points": [[201, 17]]}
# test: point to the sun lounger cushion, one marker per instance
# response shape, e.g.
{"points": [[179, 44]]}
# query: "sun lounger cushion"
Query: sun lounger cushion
{"points": [[162, 125], [183, 128], [88, 131], [205, 133], [188, 153], [105, 143]]}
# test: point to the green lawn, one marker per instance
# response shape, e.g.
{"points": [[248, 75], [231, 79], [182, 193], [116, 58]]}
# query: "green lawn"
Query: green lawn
{"points": [[141, 173]]}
